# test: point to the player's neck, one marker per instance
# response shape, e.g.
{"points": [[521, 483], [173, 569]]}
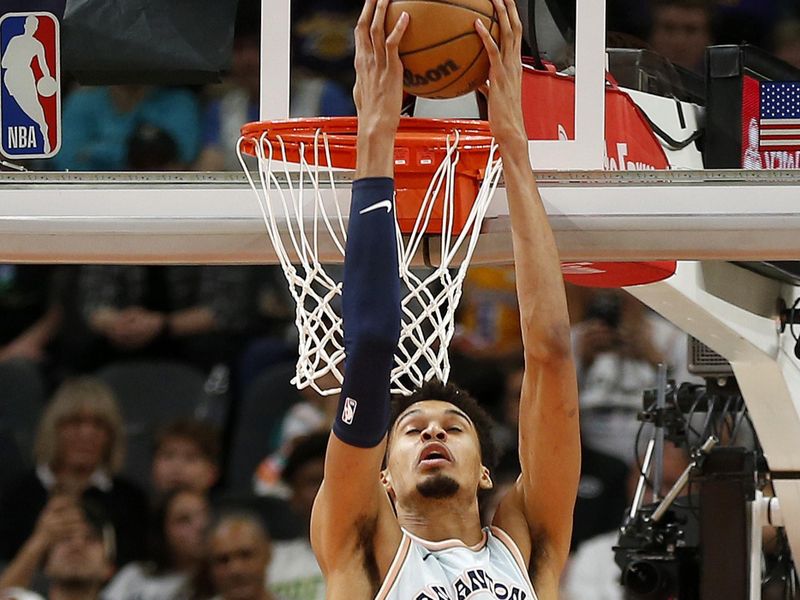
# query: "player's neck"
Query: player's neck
{"points": [[437, 520]]}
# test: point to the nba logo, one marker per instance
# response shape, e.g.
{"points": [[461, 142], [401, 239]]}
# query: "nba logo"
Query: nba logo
{"points": [[349, 411], [30, 88]]}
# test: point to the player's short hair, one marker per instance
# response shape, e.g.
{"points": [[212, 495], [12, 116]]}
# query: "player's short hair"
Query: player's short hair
{"points": [[461, 399], [204, 437]]}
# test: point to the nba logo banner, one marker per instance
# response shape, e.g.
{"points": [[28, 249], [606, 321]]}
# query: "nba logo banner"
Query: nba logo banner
{"points": [[30, 88]]}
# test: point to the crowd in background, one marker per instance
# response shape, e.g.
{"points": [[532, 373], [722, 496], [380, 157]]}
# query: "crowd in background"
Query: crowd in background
{"points": [[152, 445]]}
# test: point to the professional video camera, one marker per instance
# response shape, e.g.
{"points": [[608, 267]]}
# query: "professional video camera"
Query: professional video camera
{"points": [[692, 542]]}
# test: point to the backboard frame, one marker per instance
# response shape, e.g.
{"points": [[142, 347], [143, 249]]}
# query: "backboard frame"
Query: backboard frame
{"points": [[584, 152]]}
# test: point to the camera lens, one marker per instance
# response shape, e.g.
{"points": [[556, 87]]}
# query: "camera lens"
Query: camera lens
{"points": [[644, 579]]}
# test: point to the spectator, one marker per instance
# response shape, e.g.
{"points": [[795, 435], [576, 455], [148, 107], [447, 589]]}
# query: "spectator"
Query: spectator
{"points": [[294, 573], [315, 413], [176, 551], [681, 31], [601, 495], [196, 314], [751, 21], [76, 545], [186, 456], [237, 104], [239, 553], [150, 148], [31, 311], [78, 450], [323, 48], [601, 492], [618, 347], [99, 121], [786, 42]]}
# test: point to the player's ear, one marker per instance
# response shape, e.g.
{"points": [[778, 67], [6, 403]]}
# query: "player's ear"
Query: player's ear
{"points": [[386, 481], [485, 482]]}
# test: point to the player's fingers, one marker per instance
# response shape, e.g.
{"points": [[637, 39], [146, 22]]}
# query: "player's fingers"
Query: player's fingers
{"points": [[488, 42], [377, 31], [393, 41], [362, 39], [513, 17], [506, 33]]}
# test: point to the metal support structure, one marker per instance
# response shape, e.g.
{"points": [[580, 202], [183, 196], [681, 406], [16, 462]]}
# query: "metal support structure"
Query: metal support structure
{"points": [[275, 42], [213, 218], [731, 310], [587, 149]]}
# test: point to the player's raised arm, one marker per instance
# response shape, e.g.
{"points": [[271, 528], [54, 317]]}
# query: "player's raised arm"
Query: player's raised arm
{"points": [[351, 497], [538, 512]]}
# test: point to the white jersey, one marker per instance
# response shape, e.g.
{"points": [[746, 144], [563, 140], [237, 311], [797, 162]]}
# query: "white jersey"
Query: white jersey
{"points": [[451, 570]]}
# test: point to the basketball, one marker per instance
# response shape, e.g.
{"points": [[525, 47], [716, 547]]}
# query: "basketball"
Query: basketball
{"points": [[46, 86], [442, 54]]}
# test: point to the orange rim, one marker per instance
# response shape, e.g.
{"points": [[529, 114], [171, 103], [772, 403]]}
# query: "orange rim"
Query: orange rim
{"points": [[420, 143]]}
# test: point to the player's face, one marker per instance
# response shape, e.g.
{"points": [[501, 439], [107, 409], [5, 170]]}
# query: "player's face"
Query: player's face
{"points": [[434, 452]]}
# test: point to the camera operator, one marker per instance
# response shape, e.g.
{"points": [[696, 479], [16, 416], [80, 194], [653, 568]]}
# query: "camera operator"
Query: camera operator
{"points": [[618, 346]]}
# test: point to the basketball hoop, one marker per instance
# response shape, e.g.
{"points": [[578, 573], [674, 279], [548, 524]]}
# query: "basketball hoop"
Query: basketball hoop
{"points": [[446, 172]]}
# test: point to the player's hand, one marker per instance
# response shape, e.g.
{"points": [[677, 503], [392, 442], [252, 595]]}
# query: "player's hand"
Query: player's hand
{"points": [[378, 92], [504, 89]]}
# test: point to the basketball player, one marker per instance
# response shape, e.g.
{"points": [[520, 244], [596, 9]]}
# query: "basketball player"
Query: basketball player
{"points": [[19, 76], [412, 530]]}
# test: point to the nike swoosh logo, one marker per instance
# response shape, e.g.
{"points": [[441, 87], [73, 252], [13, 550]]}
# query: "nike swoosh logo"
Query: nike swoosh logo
{"points": [[382, 204]]}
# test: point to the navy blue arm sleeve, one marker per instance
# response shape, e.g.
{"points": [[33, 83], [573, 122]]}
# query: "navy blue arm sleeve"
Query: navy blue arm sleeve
{"points": [[371, 313]]}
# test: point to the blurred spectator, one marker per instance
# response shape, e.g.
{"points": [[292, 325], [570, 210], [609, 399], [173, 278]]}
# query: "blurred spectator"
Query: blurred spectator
{"points": [[199, 314], [237, 102], [98, 122], [79, 449], [506, 431], [29, 303], [591, 571], [751, 21], [239, 552], [276, 340], [150, 148], [323, 48], [186, 456], [786, 42], [176, 551], [294, 573], [681, 31], [601, 491], [617, 348], [487, 333], [602, 495], [76, 546], [312, 416]]}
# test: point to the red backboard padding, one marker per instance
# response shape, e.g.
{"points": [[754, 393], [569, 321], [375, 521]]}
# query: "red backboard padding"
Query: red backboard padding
{"points": [[616, 274]]}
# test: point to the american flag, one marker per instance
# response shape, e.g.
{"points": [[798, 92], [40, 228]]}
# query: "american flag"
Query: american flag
{"points": [[780, 115]]}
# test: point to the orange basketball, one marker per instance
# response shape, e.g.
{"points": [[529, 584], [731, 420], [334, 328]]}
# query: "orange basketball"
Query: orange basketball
{"points": [[442, 54]]}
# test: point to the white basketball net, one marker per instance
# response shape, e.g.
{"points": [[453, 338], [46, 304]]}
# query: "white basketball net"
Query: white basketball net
{"points": [[297, 213]]}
